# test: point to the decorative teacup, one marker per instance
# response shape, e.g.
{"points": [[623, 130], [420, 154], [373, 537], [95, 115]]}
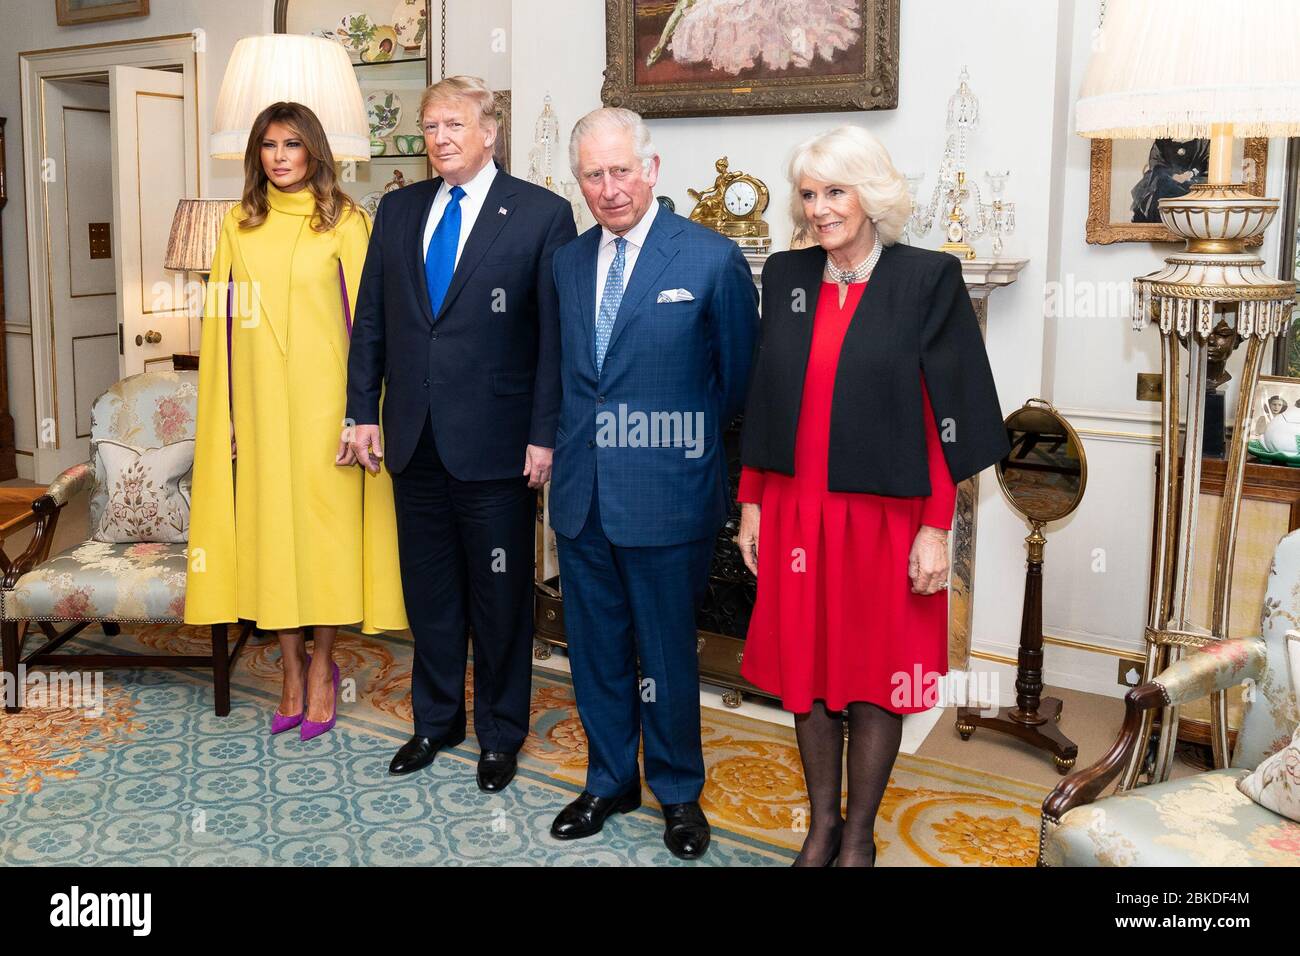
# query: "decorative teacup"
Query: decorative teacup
{"points": [[409, 145]]}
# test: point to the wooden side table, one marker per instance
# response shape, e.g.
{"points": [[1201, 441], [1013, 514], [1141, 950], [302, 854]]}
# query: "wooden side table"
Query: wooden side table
{"points": [[16, 514]]}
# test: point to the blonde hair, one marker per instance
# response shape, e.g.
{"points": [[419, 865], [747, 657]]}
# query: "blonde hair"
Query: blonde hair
{"points": [[470, 88], [322, 180], [851, 156]]}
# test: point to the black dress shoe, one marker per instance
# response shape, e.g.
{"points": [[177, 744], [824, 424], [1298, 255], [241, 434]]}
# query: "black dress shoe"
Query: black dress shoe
{"points": [[686, 831], [418, 752], [585, 816], [495, 770]]}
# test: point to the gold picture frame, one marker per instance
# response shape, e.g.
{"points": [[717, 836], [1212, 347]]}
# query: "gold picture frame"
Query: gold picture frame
{"points": [[645, 73], [502, 150], [1102, 226], [72, 12]]}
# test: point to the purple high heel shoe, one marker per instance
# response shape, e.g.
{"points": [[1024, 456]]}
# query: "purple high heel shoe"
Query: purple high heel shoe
{"points": [[311, 728], [280, 723]]}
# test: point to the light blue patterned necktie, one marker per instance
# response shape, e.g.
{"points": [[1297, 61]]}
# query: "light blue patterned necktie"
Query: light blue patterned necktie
{"points": [[610, 299]]}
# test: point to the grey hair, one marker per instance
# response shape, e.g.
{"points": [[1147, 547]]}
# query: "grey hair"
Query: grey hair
{"points": [[851, 156], [613, 118]]}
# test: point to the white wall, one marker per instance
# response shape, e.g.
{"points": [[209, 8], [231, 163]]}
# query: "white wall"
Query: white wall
{"points": [[1026, 59], [478, 41]]}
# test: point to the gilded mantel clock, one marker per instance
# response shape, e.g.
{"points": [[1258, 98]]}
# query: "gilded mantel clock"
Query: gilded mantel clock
{"points": [[734, 206]]}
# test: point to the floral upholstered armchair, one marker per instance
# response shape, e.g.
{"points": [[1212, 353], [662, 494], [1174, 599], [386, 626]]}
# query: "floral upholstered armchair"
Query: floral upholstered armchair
{"points": [[111, 583], [1203, 820]]}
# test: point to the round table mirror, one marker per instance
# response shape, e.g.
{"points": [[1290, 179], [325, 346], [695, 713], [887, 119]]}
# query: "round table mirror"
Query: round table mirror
{"points": [[1044, 474]]}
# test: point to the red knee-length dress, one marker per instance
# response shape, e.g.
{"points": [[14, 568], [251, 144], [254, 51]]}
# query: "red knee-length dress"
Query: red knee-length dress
{"points": [[835, 618]]}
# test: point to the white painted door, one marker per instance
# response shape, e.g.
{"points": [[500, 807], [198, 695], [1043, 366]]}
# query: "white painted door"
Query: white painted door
{"points": [[154, 167], [83, 359]]}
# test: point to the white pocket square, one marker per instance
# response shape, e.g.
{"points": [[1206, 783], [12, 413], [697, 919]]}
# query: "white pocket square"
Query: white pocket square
{"points": [[676, 295]]}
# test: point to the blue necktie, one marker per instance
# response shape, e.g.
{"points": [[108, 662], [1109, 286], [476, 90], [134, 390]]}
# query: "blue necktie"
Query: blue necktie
{"points": [[610, 299], [440, 260]]}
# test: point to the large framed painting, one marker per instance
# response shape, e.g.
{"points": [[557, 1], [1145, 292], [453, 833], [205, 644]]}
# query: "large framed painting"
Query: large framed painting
{"points": [[1128, 178], [71, 12], [705, 57]]}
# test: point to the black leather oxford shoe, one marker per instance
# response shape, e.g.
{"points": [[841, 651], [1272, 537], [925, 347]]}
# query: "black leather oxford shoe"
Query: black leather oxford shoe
{"points": [[495, 770], [418, 752], [585, 816], [686, 830]]}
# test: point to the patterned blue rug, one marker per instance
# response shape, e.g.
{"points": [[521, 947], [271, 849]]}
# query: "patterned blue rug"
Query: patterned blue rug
{"points": [[159, 780]]}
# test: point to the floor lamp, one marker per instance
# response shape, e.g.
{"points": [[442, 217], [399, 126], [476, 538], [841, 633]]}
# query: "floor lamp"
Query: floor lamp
{"points": [[1183, 70]]}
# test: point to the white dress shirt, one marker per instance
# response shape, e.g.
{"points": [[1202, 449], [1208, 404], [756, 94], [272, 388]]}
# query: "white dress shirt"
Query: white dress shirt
{"points": [[471, 204], [605, 254]]}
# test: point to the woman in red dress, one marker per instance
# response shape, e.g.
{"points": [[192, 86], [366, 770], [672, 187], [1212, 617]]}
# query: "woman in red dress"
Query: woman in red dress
{"points": [[853, 496]]}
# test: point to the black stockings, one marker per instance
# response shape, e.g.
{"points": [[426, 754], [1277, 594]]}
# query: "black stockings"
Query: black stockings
{"points": [[874, 736]]}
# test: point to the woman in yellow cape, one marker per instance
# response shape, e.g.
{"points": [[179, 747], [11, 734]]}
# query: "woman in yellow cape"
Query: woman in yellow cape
{"points": [[290, 538]]}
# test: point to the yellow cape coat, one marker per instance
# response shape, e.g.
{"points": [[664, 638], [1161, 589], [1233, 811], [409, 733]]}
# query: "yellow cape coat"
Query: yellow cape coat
{"points": [[287, 538]]}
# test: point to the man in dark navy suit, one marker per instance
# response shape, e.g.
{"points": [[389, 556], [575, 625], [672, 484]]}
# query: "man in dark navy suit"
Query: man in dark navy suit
{"points": [[658, 319], [457, 321]]}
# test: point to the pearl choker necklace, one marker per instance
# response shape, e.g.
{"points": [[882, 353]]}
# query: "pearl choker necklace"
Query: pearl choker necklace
{"points": [[858, 273]]}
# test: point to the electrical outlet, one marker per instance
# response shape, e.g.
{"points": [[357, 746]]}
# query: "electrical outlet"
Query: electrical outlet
{"points": [[1130, 672]]}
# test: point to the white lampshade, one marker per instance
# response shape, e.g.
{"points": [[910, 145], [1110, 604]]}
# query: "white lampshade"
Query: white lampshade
{"points": [[1171, 68], [297, 69]]}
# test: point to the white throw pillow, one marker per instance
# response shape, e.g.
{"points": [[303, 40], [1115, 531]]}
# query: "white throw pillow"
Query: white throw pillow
{"points": [[1275, 783], [148, 492]]}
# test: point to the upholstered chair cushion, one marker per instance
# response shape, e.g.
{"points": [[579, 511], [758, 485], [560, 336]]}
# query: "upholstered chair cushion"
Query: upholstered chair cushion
{"points": [[1192, 821], [97, 580]]}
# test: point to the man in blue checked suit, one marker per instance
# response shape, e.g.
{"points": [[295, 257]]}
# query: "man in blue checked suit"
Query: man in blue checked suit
{"points": [[457, 322], [658, 320]]}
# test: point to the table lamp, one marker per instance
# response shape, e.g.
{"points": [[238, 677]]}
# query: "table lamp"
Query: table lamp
{"points": [[196, 230], [285, 67]]}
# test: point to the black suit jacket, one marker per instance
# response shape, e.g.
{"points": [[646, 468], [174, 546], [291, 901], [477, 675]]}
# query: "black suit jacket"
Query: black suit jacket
{"points": [[487, 367], [915, 318]]}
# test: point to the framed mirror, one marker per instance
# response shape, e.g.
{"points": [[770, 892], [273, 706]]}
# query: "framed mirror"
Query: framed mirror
{"points": [[1043, 477], [1045, 473]]}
